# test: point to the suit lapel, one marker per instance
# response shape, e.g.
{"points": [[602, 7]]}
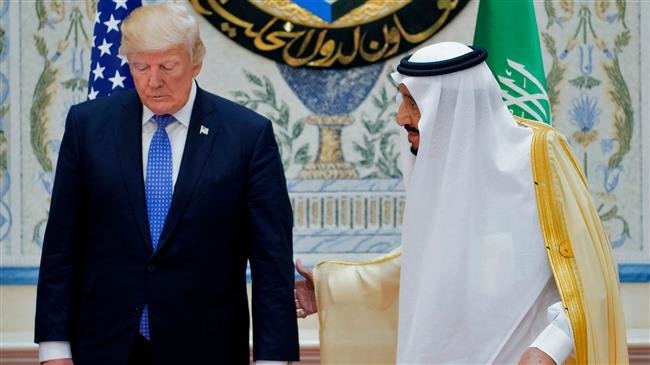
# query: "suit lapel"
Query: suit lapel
{"points": [[197, 149], [129, 137]]}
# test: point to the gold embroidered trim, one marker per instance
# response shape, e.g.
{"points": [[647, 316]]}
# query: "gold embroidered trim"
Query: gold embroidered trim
{"points": [[558, 245]]}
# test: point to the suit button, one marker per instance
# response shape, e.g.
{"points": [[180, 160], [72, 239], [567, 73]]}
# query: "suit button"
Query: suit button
{"points": [[151, 267]]}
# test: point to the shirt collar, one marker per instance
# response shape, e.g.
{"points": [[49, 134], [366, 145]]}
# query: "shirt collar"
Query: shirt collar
{"points": [[183, 115]]}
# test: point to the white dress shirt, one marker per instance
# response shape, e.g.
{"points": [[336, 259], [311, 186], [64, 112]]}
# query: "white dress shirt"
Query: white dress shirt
{"points": [[177, 132]]}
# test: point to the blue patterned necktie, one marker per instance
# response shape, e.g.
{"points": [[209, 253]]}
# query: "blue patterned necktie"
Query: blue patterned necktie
{"points": [[158, 190]]}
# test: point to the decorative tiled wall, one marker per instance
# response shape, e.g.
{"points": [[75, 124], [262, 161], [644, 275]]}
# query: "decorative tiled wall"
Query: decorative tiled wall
{"points": [[348, 207]]}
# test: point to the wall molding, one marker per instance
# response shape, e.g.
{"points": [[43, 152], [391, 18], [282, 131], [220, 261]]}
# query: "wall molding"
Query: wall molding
{"points": [[627, 273], [22, 355]]}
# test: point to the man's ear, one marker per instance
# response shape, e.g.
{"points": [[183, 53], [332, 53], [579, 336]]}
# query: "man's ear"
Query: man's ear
{"points": [[196, 69]]}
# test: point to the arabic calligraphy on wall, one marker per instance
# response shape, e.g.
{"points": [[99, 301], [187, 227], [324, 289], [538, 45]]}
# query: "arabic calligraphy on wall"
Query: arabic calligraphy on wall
{"points": [[329, 36]]}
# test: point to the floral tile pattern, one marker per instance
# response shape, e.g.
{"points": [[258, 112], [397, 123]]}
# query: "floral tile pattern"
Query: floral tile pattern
{"points": [[336, 130]]}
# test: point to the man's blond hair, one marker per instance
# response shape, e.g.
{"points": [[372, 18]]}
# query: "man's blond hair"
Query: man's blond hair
{"points": [[159, 27]]}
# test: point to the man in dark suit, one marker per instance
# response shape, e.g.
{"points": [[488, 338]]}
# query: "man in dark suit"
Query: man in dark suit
{"points": [[161, 196]]}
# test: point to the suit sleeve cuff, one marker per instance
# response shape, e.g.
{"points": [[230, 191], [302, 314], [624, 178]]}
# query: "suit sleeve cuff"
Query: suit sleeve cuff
{"points": [[53, 350]]}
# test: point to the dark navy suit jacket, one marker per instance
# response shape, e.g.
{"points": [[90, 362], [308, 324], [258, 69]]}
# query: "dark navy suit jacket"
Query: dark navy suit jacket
{"points": [[230, 205]]}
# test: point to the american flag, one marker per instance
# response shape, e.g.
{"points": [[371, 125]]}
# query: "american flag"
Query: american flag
{"points": [[108, 70]]}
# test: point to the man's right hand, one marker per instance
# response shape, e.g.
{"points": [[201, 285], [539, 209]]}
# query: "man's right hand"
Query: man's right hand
{"points": [[58, 362], [305, 293]]}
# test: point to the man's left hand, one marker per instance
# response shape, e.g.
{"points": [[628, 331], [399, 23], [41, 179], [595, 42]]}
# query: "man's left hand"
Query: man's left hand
{"points": [[535, 356], [305, 292]]}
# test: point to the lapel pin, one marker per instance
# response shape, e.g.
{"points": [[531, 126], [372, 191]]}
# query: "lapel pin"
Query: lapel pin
{"points": [[204, 130]]}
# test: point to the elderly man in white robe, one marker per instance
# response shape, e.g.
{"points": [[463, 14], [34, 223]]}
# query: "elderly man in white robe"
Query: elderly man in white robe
{"points": [[504, 258]]}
